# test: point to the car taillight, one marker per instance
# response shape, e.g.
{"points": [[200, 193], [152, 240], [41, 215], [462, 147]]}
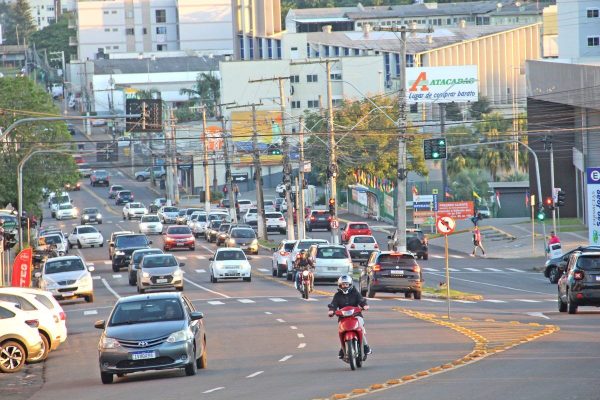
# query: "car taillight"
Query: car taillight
{"points": [[352, 246], [578, 275], [416, 268], [376, 246], [376, 267], [329, 218], [62, 315], [34, 323], [281, 219], [284, 253]]}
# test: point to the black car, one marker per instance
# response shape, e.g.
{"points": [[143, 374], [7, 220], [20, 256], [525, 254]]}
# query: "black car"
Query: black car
{"points": [[212, 229], [71, 129], [416, 243], [392, 272], [318, 219], [556, 266], [580, 284], [151, 332], [123, 246], [123, 197], [91, 215]]}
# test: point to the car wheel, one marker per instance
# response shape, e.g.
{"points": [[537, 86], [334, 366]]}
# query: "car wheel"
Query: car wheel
{"points": [[283, 231], [202, 362], [106, 377], [132, 280], [248, 279], [129, 217], [370, 291], [407, 295], [115, 268], [89, 298], [99, 222], [193, 248], [309, 229], [363, 292], [213, 279], [101, 244], [45, 350], [571, 307], [275, 271], [562, 307], [13, 357], [417, 295], [140, 179], [79, 244], [140, 290], [70, 245], [553, 275], [179, 289], [426, 256]]}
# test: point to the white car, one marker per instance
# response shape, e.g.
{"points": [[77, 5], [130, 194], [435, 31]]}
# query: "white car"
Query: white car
{"points": [[198, 223], [245, 205], [281, 254], [65, 211], [52, 330], [360, 247], [67, 277], [54, 239], [85, 235], [280, 189], [222, 215], [134, 210], [98, 122], [330, 261], [301, 245], [16, 324], [150, 223], [230, 263], [276, 222], [251, 216], [168, 214]]}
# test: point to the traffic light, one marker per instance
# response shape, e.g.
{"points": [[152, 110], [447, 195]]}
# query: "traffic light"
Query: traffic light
{"points": [[549, 203], [332, 206], [274, 150], [560, 198], [541, 215], [435, 149]]}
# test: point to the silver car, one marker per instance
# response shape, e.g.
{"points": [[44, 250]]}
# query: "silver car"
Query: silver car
{"points": [[159, 271], [66, 278], [330, 261], [136, 259]]}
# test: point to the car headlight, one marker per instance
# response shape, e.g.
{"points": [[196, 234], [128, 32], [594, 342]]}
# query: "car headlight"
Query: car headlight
{"points": [[86, 217], [145, 275], [254, 242], [178, 273], [180, 336], [49, 283], [99, 216], [86, 280], [119, 253], [108, 343]]}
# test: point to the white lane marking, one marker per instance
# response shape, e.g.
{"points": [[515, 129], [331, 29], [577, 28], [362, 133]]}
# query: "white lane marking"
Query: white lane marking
{"points": [[494, 301], [215, 302], [402, 299], [268, 313], [207, 249], [246, 301], [431, 269], [455, 256], [109, 222], [528, 301], [200, 257], [117, 276], [300, 335], [263, 270], [182, 258], [373, 299], [434, 300], [110, 289], [302, 345], [277, 299], [285, 358], [473, 269], [494, 269], [515, 270], [96, 277], [464, 301], [257, 373], [453, 269], [214, 390], [436, 256], [293, 327], [552, 300], [200, 271], [538, 314], [280, 320], [107, 262], [311, 299], [90, 312], [206, 289]]}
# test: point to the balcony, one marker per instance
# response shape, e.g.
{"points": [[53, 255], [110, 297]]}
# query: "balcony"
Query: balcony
{"points": [[73, 41], [72, 23]]}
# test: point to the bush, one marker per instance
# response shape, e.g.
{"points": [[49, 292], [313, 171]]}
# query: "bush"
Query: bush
{"points": [[321, 200]]}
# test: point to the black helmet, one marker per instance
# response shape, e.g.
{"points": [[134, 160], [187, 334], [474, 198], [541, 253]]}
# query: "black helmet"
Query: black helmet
{"points": [[345, 283]]}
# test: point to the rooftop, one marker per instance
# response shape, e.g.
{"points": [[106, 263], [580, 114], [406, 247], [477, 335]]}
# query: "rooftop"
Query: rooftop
{"points": [[158, 65]]}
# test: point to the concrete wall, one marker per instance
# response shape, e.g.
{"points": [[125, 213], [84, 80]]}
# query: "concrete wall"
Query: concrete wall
{"points": [[574, 28]]}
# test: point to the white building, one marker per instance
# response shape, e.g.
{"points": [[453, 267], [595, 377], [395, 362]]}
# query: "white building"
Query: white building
{"points": [[205, 25], [578, 29], [43, 12]]}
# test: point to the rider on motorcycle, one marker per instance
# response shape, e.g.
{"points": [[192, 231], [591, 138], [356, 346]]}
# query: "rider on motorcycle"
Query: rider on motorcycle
{"points": [[302, 262], [348, 295]]}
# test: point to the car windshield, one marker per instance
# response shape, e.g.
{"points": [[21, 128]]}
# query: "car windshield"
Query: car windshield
{"points": [[358, 226], [396, 259], [146, 311], [415, 235], [90, 211], [159, 261], [320, 214], [138, 255], [88, 229], [53, 239], [124, 193], [190, 211], [216, 223], [332, 252], [181, 213], [226, 255], [244, 202], [101, 174], [61, 199], [289, 246], [150, 218], [131, 241], [66, 206], [364, 239], [179, 230], [116, 188], [170, 209], [274, 215], [588, 263], [243, 233], [306, 244], [224, 227], [215, 217], [56, 267], [199, 217]]}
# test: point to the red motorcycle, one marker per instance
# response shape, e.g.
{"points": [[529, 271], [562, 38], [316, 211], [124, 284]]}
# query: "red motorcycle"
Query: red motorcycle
{"points": [[351, 336], [304, 282]]}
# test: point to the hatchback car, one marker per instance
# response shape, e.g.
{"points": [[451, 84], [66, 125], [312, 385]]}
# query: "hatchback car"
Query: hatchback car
{"points": [[55, 240], [151, 332], [580, 284], [159, 271], [150, 224], [330, 261], [20, 340], [318, 219], [177, 237], [276, 222], [100, 177], [392, 272], [91, 215], [230, 264], [67, 278], [281, 254], [354, 228], [124, 197], [243, 238], [85, 236], [136, 259], [168, 214], [66, 211], [134, 210], [114, 189], [361, 247]]}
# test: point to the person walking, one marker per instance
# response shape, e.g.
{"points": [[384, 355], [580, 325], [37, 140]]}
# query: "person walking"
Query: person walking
{"points": [[477, 241], [236, 190]]}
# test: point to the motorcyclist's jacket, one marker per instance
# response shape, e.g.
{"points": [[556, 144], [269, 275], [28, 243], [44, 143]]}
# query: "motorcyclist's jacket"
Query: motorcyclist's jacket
{"points": [[302, 263], [341, 300]]}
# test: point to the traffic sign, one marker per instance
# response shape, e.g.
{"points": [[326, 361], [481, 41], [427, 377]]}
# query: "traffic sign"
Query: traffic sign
{"points": [[445, 225], [334, 224]]}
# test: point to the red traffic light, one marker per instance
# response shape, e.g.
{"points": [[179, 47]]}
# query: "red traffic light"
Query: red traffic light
{"points": [[548, 201]]}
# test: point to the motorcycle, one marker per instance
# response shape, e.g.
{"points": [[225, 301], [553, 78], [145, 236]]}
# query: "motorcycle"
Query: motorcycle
{"points": [[351, 336], [304, 282]]}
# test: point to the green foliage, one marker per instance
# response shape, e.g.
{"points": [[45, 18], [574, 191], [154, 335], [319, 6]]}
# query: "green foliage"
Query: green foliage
{"points": [[468, 180], [42, 170], [480, 107], [16, 21], [207, 91], [453, 112], [55, 38], [185, 114]]}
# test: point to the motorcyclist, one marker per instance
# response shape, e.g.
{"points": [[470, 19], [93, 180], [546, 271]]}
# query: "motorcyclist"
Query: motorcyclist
{"points": [[348, 295], [301, 263]]}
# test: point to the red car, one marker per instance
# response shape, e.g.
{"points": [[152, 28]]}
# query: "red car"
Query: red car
{"points": [[353, 229], [177, 237]]}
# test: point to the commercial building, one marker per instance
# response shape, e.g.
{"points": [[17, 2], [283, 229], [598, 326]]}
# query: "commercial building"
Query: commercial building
{"points": [[256, 26]]}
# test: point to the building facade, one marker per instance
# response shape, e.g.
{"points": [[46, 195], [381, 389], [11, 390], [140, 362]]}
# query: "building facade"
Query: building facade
{"points": [[578, 29], [256, 26]]}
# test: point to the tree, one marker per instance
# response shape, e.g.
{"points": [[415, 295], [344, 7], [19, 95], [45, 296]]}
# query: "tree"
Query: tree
{"points": [[44, 170], [453, 112], [468, 181], [494, 157], [206, 91], [17, 23], [480, 107], [55, 38]]}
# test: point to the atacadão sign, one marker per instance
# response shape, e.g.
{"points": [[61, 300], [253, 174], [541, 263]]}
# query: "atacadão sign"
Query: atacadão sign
{"points": [[593, 204], [442, 84]]}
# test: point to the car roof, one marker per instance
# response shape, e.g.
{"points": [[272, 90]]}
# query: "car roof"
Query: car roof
{"points": [[118, 233], [64, 258], [313, 240], [151, 249], [395, 253], [86, 226], [228, 249], [413, 230], [590, 254], [150, 296], [357, 222], [320, 245], [359, 236]]}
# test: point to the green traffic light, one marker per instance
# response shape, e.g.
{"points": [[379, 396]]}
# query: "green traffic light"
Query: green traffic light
{"points": [[442, 142], [435, 154], [541, 215]]}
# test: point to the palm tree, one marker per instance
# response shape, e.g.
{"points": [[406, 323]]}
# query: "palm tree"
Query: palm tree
{"points": [[207, 91], [152, 93]]}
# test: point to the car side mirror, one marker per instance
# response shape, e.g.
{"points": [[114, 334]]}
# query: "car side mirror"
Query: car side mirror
{"points": [[100, 324], [196, 315], [249, 258], [38, 274], [211, 259], [149, 241], [389, 237]]}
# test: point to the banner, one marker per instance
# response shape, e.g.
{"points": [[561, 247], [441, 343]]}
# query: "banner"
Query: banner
{"points": [[456, 209], [21, 272], [442, 84], [593, 205]]}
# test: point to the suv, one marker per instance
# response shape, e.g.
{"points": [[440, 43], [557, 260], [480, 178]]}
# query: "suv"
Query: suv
{"points": [[354, 228], [394, 272], [123, 196], [280, 257], [111, 241], [123, 246], [580, 284], [100, 177], [157, 171], [330, 261], [416, 242], [318, 219], [555, 267]]}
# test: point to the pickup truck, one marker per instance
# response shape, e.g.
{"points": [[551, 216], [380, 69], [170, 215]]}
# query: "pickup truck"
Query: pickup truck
{"points": [[158, 171]]}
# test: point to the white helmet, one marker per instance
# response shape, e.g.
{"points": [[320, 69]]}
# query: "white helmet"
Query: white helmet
{"points": [[345, 283]]}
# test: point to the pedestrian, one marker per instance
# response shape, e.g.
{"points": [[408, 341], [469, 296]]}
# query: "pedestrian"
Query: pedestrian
{"points": [[225, 189], [41, 219], [554, 248], [477, 241], [236, 190], [553, 238]]}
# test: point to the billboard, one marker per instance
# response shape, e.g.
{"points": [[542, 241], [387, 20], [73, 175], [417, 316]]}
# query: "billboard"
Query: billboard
{"points": [[268, 123], [441, 84], [593, 205], [456, 209]]}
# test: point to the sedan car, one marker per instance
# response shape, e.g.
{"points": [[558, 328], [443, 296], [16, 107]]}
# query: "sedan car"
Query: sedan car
{"points": [[114, 189], [136, 259], [90, 215], [66, 211], [67, 278], [123, 197], [151, 332], [230, 264], [84, 235], [391, 272], [281, 254], [159, 271], [243, 238], [178, 236], [168, 214], [20, 339], [134, 210], [150, 224]]}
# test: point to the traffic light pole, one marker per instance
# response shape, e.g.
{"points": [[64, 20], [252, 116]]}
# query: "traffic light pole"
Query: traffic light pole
{"points": [[552, 186]]}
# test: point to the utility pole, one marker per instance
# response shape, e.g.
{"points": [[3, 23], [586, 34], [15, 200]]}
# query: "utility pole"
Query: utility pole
{"points": [[205, 160], [444, 167], [260, 203], [400, 244], [332, 169], [287, 168], [548, 142], [300, 212], [172, 184], [228, 177]]}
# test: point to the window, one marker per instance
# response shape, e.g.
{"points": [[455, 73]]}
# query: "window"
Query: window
{"points": [[295, 103], [346, 51], [337, 102], [161, 16], [106, 29], [593, 13], [115, 47], [161, 30], [145, 31], [129, 31], [161, 47], [294, 78], [312, 78], [113, 12], [356, 52], [313, 104], [105, 12], [593, 41], [336, 76], [115, 29]]}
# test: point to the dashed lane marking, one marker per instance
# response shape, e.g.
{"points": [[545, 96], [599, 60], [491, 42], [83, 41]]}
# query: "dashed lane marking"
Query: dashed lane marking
{"points": [[515, 270], [473, 269], [214, 390], [255, 374], [301, 345], [436, 256], [300, 335], [433, 300], [207, 249], [117, 276], [200, 271], [528, 301], [286, 358], [107, 262], [280, 320], [246, 301], [182, 258], [263, 270], [199, 257], [90, 312], [455, 256], [494, 301], [431, 269], [494, 269], [215, 302], [96, 277], [277, 299], [268, 313], [453, 270], [293, 327], [464, 301]]}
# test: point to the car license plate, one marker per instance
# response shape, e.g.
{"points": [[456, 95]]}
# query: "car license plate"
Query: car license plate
{"points": [[331, 269], [399, 272], [180, 243], [364, 253], [67, 294], [143, 355]]}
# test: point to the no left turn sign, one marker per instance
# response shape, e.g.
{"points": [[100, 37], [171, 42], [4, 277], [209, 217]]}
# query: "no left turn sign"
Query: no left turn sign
{"points": [[445, 225], [334, 224]]}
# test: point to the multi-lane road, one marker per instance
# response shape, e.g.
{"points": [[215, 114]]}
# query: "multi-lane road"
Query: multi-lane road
{"points": [[264, 341]]}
